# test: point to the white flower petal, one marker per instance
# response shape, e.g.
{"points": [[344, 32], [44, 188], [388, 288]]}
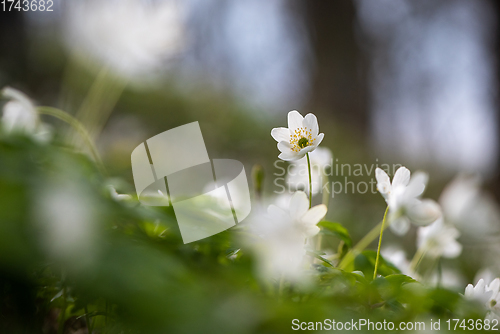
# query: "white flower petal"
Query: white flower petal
{"points": [[383, 182], [417, 184], [469, 291], [310, 122], [401, 177], [319, 139], [16, 95], [284, 147], [311, 231], [294, 120], [275, 211], [315, 214], [452, 249], [298, 205], [321, 157], [382, 176], [289, 156], [306, 150], [494, 286], [424, 212], [18, 116], [281, 134], [480, 285]]}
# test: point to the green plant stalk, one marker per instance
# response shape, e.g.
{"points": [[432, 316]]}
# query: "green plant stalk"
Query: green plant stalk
{"points": [[380, 243], [361, 245], [417, 258], [99, 102], [67, 118], [62, 314], [310, 180], [88, 320]]}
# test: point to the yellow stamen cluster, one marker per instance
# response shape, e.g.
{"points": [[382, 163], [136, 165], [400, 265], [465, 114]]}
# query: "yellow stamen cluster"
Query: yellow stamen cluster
{"points": [[301, 138]]}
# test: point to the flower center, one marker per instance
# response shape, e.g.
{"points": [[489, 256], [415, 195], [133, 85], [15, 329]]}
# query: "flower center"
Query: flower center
{"points": [[303, 142], [301, 138]]}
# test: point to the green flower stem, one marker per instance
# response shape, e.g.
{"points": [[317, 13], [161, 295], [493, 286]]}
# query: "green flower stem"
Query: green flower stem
{"points": [[417, 258], [62, 314], [310, 180], [361, 245], [67, 118], [99, 103], [380, 243], [88, 320]]}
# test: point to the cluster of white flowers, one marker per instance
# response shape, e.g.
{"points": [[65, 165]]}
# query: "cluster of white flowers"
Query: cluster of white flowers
{"points": [[283, 229], [436, 236]]}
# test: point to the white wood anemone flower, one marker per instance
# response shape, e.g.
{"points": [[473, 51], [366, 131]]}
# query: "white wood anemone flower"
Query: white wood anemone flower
{"points": [[19, 115], [403, 196], [439, 239], [299, 216], [486, 295], [301, 137]]}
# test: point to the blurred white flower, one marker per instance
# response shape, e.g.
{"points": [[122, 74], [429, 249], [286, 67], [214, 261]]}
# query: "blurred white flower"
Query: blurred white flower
{"points": [[300, 138], [439, 240], [448, 278], [298, 175], [133, 37], [281, 236], [478, 292], [403, 197], [469, 208], [397, 257], [65, 214], [20, 115], [300, 217]]}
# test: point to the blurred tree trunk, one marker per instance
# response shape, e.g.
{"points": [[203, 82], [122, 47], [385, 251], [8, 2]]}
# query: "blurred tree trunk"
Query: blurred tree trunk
{"points": [[13, 55], [339, 83], [496, 183]]}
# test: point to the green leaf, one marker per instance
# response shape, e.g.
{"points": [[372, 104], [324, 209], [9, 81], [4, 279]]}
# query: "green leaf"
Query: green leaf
{"points": [[319, 257], [365, 262], [335, 229], [400, 279]]}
